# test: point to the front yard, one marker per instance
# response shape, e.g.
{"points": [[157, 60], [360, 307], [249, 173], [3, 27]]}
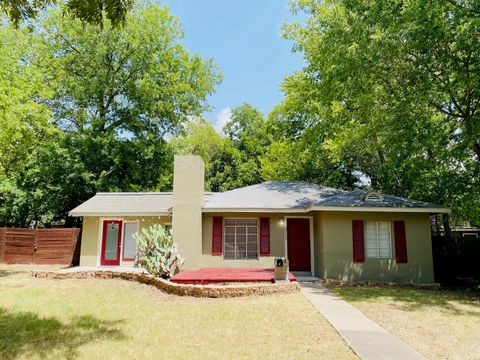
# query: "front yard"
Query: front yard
{"points": [[115, 319], [437, 323]]}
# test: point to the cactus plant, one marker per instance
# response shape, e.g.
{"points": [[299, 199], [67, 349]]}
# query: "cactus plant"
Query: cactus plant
{"points": [[157, 252]]}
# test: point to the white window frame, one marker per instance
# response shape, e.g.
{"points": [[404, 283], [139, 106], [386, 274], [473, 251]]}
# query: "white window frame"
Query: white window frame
{"points": [[390, 255], [224, 234]]}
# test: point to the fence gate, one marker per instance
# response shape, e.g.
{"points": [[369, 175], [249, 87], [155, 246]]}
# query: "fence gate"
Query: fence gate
{"points": [[37, 246]]}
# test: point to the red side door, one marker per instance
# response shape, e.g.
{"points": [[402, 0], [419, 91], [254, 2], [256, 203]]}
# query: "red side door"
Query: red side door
{"points": [[298, 244], [111, 242]]}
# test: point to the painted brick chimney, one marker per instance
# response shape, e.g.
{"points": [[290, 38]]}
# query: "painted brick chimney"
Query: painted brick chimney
{"points": [[188, 190]]}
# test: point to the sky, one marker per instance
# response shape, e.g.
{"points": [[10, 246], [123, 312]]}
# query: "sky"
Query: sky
{"points": [[243, 37]]}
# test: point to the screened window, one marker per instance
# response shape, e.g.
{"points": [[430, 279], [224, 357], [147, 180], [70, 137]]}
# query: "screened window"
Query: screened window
{"points": [[241, 238], [378, 239]]}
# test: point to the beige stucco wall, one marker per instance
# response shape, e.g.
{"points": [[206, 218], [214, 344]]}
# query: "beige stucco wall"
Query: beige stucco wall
{"points": [[91, 234], [336, 235], [332, 246], [188, 193], [319, 262], [206, 259]]}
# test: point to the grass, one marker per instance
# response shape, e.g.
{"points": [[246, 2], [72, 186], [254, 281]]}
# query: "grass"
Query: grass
{"points": [[110, 319], [440, 324]]}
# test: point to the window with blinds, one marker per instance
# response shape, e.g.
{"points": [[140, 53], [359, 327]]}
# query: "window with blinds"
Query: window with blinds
{"points": [[240, 239], [378, 239]]}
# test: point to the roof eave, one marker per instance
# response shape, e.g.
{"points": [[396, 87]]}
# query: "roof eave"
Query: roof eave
{"points": [[433, 210], [438, 210], [249, 210], [103, 214]]}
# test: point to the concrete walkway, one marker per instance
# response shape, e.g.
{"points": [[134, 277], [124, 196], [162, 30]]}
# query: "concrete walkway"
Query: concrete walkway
{"points": [[366, 338]]}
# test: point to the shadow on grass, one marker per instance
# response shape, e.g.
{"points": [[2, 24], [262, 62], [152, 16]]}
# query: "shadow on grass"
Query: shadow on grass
{"points": [[412, 299], [25, 334], [5, 273]]}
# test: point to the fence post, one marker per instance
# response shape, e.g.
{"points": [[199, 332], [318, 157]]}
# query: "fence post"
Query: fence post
{"points": [[35, 246], [3, 240]]}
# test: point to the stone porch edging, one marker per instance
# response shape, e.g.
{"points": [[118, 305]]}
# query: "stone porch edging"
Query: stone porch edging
{"points": [[208, 291], [384, 284]]}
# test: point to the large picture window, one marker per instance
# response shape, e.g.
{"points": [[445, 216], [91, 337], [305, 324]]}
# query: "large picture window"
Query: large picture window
{"points": [[378, 239], [241, 238]]}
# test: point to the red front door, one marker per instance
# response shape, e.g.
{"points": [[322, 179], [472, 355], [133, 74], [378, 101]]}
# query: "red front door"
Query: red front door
{"points": [[298, 244], [111, 242]]}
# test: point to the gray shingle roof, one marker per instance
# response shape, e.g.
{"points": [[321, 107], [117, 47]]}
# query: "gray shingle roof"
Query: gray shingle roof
{"points": [[272, 195], [356, 198], [125, 203], [275, 195]]}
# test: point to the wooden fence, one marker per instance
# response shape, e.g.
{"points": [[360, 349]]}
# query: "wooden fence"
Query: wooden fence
{"points": [[38, 246]]}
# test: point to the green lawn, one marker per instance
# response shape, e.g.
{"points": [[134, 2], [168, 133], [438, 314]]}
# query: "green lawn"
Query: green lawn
{"points": [[115, 319], [439, 324]]}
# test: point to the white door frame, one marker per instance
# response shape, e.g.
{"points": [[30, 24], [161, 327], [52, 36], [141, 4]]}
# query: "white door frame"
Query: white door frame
{"points": [[312, 253]]}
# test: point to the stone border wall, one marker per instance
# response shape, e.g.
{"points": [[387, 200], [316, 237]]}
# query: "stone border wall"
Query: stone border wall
{"points": [[385, 284], [210, 291]]}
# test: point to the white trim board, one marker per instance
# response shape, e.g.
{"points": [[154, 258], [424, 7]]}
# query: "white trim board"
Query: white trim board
{"points": [[100, 214], [380, 209], [329, 208]]}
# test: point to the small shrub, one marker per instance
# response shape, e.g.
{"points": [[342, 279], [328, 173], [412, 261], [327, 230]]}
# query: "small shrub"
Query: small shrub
{"points": [[157, 253]]}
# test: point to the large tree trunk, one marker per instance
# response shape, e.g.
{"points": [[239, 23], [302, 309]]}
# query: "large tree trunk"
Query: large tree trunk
{"points": [[446, 228]]}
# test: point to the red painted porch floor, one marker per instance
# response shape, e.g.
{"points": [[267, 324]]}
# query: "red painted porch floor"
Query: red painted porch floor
{"points": [[223, 275]]}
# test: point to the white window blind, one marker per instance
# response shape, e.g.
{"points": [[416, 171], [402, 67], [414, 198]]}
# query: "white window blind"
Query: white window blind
{"points": [[241, 238], [378, 239]]}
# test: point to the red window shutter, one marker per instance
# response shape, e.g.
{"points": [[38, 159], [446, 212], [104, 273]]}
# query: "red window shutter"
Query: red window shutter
{"points": [[264, 236], [400, 241], [217, 235], [358, 241]]}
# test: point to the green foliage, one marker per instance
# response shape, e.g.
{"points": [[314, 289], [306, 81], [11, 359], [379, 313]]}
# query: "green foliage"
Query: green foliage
{"points": [[157, 251], [87, 108], [232, 160], [238, 163], [23, 120], [199, 138], [389, 95], [89, 11]]}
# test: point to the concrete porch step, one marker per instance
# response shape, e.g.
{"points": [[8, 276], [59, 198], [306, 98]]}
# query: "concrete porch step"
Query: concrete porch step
{"points": [[304, 276]]}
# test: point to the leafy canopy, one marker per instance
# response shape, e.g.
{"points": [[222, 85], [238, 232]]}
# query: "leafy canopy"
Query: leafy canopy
{"points": [[93, 12], [390, 94], [93, 108]]}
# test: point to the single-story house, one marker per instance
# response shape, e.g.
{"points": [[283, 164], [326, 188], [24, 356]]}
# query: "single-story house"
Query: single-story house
{"points": [[324, 232]]}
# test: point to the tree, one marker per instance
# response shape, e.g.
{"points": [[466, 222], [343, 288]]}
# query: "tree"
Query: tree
{"points": [[389, 86], [296, 154], [115, 96], [200, 138], [119, 92], [238, 164], [89, 11], [23, 120]]}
